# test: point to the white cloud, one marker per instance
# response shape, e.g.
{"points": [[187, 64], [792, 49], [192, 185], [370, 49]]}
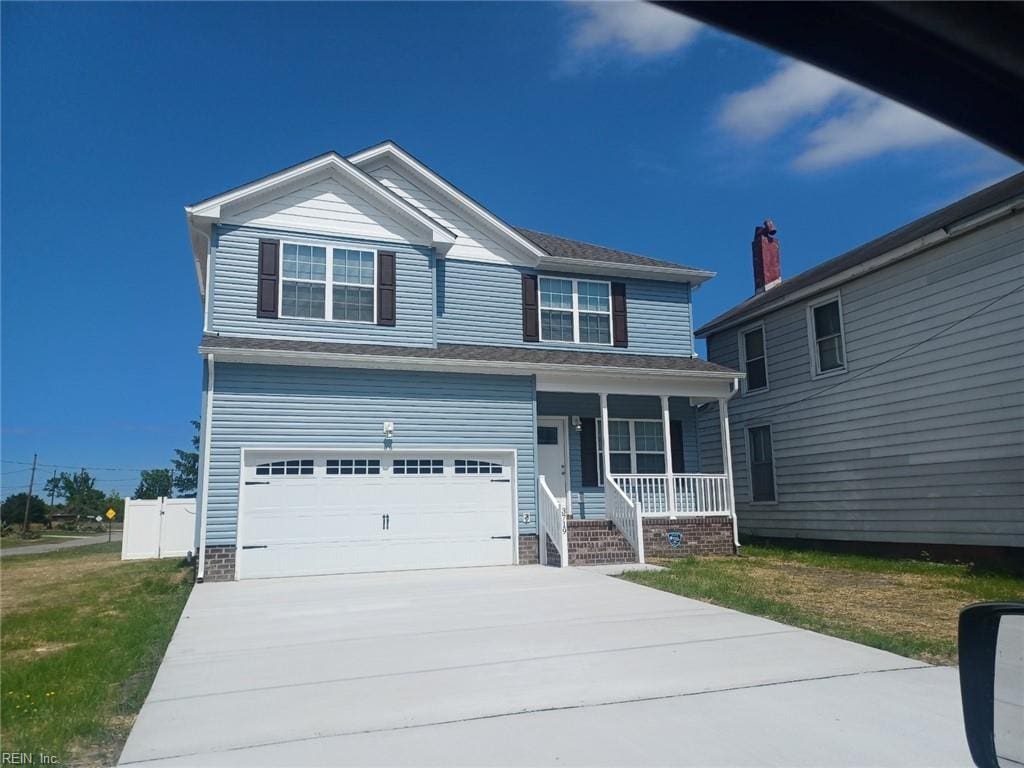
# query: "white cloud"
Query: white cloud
{"points": [[848, 122], [636, 27]]}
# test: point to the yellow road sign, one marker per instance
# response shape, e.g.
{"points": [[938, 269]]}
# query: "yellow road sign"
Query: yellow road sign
{"points": [[111, 514]]}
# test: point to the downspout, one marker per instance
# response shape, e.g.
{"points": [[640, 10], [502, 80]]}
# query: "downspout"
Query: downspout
{"points": [[723, 417], [204, 458]]}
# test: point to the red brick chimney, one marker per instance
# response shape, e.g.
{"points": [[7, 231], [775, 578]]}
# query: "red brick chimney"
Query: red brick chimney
{"points": [[766, 257]]}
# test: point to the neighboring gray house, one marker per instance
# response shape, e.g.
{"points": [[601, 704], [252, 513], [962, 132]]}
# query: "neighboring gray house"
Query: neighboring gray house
{"points": [[396, 378], [884, 399]]}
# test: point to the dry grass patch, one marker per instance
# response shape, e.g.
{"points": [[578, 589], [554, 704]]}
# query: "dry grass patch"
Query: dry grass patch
{"points": [[82, 635], [906, 607]]}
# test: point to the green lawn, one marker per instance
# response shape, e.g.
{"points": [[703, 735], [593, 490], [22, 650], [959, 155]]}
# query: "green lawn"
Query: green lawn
{"points": [[907, 607], [12, 541], [82, 635]]}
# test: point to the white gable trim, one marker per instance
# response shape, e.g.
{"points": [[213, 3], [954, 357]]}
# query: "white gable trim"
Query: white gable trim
{"points": [[441, 237], [390, 153]]}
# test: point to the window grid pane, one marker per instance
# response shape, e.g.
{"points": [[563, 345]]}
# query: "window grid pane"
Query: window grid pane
{"points": [[618, 435], [556, 326], [476, 467], [417, 466], [826, 320], [304, 262], [302, 299], [354, 267], [555, 293], [593, 297], [353, 303], [595, 329], [353, 466], [649, 437], [830, 353], [754, 344]]}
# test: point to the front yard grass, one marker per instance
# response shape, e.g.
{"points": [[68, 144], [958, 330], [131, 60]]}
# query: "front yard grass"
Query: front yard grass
{"points": [[81, 637], [903, 606]]}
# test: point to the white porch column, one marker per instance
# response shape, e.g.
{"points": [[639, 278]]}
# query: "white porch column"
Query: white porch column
{"points": [[606, 459], [723, 422], [670, 483]]}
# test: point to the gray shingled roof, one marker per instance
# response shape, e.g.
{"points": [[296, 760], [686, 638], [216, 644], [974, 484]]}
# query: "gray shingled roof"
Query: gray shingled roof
{"points": [[990, 197], [564, 248], [471, 353]]}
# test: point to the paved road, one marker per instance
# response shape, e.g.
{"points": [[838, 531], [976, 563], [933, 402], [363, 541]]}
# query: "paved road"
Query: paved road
{"points": [[36, 549], [524, 666]]}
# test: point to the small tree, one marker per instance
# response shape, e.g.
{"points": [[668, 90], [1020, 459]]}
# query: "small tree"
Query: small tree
{"points": [[186, 466], [12, 512], [82, 498], [153, 483]]}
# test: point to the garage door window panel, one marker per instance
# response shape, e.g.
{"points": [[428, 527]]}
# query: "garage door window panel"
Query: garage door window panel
{"points": [[353, 467], [476, 467], [289, 467], [407, 467]]}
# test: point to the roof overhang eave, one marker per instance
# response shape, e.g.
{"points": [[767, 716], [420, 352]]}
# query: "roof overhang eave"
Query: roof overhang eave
{"points": [[646, 271]]}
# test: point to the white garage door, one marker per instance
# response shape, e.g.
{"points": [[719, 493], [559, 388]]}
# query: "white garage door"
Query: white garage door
{"points": [[306, 514]]}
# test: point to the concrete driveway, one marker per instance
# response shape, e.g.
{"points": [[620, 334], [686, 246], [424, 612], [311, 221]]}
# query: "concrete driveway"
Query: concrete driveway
{"points": [[524, 666]]}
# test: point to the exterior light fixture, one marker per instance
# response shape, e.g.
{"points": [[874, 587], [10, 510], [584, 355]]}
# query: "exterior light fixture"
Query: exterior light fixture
{"points": [[389, 429], [577, 423]]}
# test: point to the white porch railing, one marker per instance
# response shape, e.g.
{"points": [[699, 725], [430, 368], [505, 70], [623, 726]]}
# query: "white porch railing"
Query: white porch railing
{"points": [[693, 494], [625, 513], [552, 522]]}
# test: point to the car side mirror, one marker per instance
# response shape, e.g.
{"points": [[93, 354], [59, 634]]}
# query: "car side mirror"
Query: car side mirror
{"points": [[991, 644]]}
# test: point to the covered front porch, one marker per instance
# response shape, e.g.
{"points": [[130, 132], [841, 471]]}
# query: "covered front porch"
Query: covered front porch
{"points": [[648, 486]]}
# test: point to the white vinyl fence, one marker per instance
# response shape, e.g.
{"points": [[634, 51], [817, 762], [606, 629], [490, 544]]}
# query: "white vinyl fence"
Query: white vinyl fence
{"points": [[155, 528]]}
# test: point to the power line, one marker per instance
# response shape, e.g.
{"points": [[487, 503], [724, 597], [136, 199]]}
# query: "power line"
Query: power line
{"points": [[80, 466]]}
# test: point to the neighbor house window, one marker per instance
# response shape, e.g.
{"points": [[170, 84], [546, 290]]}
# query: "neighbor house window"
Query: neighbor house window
{"points": [[577, 311], [755, 362], [637, 447], [826, 333], [762, 465], [307, 291]]}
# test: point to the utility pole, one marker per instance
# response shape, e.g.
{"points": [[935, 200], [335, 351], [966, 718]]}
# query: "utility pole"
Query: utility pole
{"points": [[170, 491], [53, 488], [28, 499]]}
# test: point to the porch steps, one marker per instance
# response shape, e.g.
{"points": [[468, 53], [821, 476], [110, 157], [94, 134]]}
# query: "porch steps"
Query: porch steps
{"points": [[594, 542]]}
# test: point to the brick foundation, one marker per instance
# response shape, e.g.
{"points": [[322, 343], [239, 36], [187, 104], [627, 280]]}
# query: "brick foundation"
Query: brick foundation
{"points": [[553, 557], [700, 536], [220, 564], [529, 552], [598, 542]]}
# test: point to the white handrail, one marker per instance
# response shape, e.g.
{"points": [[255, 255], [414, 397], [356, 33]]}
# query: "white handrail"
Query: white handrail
{"points": [[552, 525], [626, 515], [695, 494]]}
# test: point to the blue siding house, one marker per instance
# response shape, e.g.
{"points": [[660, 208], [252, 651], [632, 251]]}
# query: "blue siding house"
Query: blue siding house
{"points": [[395, 378]]}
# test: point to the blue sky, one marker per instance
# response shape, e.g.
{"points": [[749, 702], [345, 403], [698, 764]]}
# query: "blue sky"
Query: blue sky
{"points": [[622, 125]]}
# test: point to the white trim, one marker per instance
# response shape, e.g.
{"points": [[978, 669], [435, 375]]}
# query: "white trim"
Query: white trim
{"points": [[328, 281], [575, 311], [812, 339], [563, 422], [323, 449], [391, 151], [750, 460], [212, 207], [678, 274], [741, 342], [204, 456]]}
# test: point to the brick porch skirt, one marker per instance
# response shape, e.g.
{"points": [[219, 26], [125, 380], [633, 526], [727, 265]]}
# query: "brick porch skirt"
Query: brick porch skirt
{"points": [[686, 536], [220, 564]]}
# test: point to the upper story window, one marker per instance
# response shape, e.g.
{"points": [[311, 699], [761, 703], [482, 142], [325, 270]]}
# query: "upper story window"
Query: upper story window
{"points": [[577, 311], [825, 320], [304, 283], [753, 359]]}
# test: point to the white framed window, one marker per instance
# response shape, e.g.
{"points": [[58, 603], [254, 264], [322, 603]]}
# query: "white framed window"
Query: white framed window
{"points": [[637, 447], [761, 464], [825, 336], [328, 282], [577, 311], [754, 358]]}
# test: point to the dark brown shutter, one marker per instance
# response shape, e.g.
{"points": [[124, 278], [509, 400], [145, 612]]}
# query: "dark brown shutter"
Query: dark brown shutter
{"points": [[531, 319], [588, 451], [620, 329], [675, 429], [385, 288], [266, 288]]}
